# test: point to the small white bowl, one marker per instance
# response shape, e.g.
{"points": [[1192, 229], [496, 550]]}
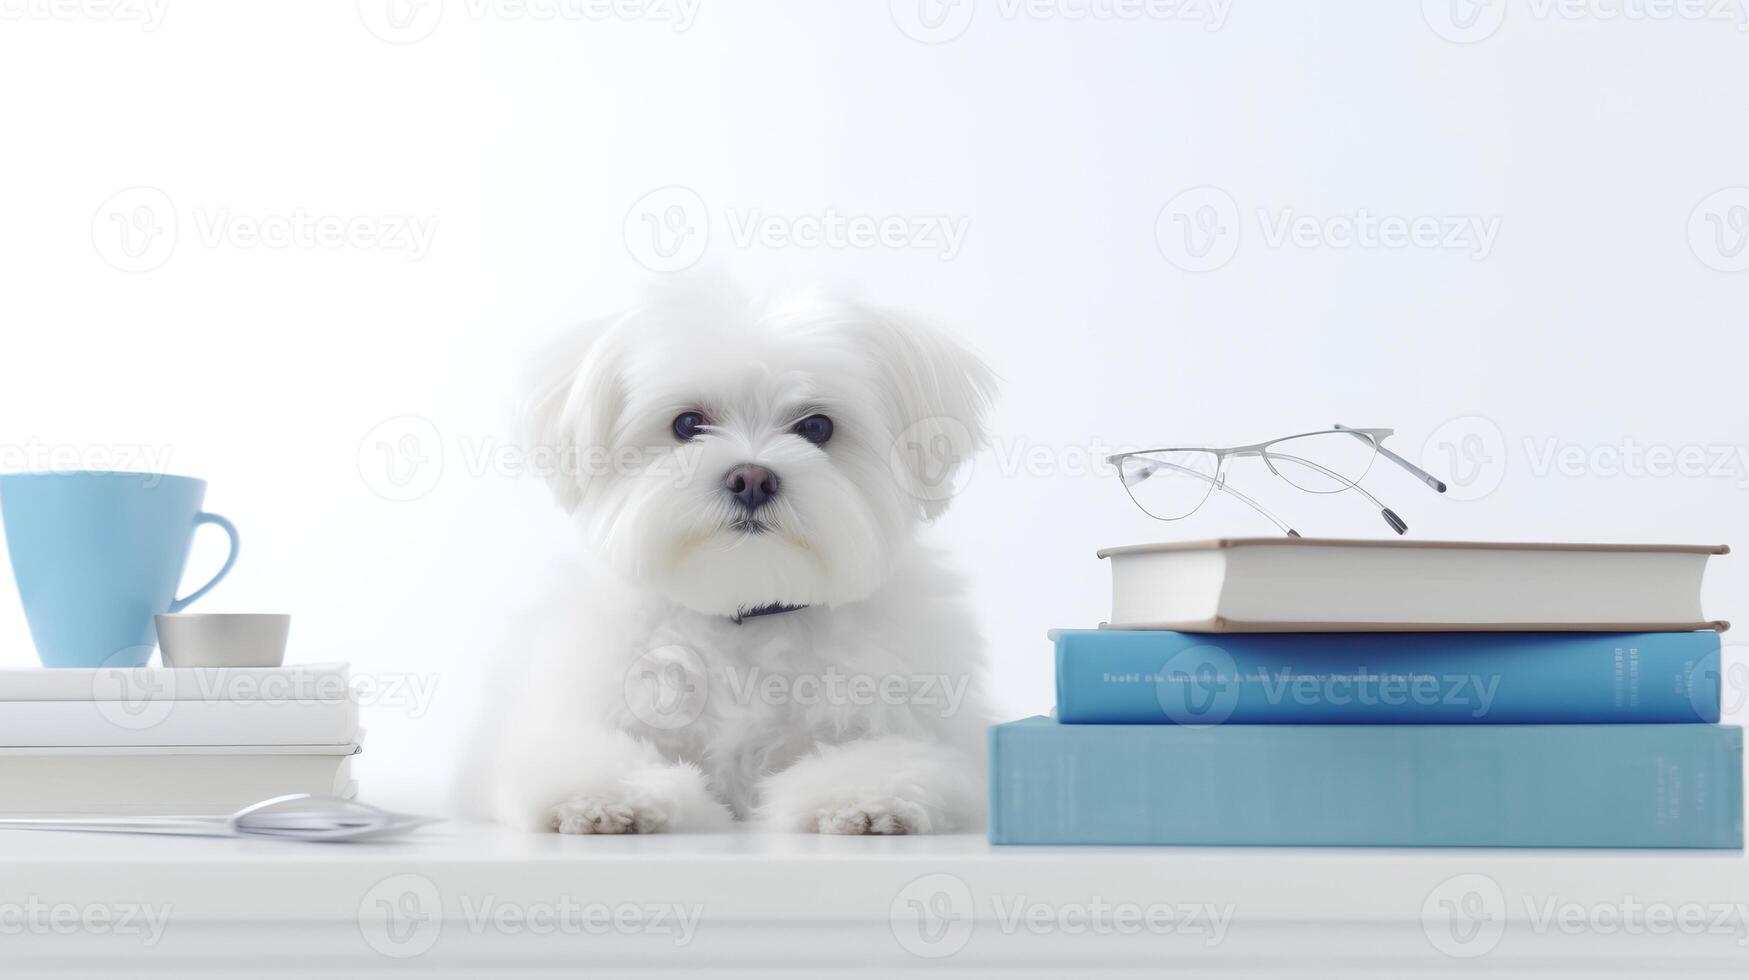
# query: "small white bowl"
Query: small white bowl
{"points": [[223, 639]]}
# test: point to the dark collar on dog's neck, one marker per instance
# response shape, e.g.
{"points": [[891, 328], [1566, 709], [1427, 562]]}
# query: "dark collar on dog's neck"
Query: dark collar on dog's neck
{"points": [[769, 609]]}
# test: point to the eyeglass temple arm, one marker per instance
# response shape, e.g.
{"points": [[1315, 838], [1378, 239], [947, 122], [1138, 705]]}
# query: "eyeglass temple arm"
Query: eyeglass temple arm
{"points": [[1219, 484], [1397, 523], [1259, 508], [1377, 437]]}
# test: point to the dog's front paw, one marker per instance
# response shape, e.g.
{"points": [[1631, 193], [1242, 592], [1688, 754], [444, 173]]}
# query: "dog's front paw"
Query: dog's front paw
{"points": [[652, 800], [889, 785], [883, 816], [588, 815]]}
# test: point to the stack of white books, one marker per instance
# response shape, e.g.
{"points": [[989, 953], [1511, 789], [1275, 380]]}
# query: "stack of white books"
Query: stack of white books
{"points": [[173, 741]]}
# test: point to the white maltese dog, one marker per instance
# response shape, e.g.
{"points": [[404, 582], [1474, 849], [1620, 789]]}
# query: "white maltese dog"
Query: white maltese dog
{"points": [[759, 634]]}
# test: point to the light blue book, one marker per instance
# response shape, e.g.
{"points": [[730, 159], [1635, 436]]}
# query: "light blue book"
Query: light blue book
{"points": [[1367, 785], [1159, 676]]}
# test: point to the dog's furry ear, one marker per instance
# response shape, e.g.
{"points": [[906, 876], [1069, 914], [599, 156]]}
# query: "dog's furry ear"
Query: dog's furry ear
{"points": [[569, 419], [941, 397]]}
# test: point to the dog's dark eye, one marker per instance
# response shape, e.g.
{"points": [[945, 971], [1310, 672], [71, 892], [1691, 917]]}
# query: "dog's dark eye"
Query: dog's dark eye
{"points": [[815, 428], [688, 425]]}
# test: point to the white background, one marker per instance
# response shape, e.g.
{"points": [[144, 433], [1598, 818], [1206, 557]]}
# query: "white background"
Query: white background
{"points": [[1605, 312]]}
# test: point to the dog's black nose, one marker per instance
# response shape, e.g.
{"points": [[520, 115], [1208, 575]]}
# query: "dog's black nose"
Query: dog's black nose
{"points": [[751, 485]]}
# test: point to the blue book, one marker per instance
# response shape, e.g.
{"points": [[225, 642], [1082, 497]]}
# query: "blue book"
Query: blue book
{"points": [[1367, 785], [1163, 677]]}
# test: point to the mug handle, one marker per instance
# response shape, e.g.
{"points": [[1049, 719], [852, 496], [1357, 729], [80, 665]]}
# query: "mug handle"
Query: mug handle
{"points": [[177, 605]]}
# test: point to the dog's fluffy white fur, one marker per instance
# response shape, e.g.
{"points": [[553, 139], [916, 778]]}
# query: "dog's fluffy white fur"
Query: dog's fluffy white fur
{"points": [[637, 703]]}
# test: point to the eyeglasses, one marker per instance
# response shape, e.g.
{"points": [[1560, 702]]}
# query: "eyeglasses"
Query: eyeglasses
{"points": [[1172, 483]]}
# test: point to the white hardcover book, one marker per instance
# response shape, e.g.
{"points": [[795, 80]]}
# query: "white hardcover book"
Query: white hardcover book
{"points": [[298, 682], [1327, 585], [164, 722], [168, 781]]}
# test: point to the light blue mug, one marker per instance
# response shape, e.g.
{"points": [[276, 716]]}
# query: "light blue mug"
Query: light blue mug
{"points": [[96, 555]]}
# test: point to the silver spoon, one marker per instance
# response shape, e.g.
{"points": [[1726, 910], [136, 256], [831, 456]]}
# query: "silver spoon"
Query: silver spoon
{"points": [[298, 816]]}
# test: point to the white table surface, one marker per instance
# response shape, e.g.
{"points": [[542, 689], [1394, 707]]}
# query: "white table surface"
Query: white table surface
{"points": [[459, 899]]}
